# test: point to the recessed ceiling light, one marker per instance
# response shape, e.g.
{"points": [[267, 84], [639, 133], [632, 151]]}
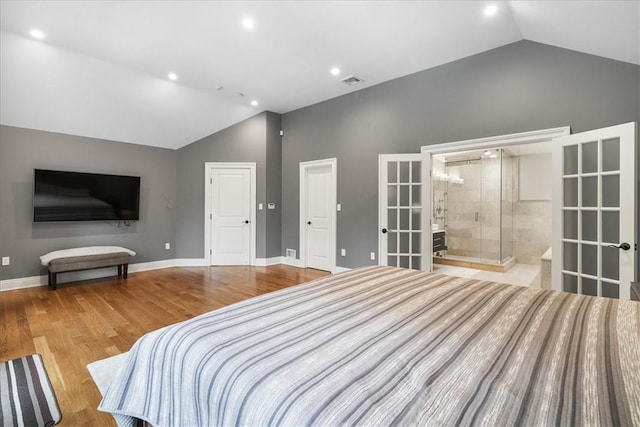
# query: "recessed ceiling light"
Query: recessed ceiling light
{"points": [[247, 23], [335, 71], [37, 34], [254, 103], [172, 76], [490, 10]]}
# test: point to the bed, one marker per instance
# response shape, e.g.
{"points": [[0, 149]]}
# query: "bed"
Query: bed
{"points": [[390, 346]]}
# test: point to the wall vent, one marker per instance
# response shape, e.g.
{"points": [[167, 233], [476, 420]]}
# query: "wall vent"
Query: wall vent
{"points": [[291, 253], [352, 80]]}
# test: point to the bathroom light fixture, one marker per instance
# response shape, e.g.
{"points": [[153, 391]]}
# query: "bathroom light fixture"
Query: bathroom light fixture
{"points": [[172, 76], [254, 103], [335, 71], [247, 23], [490, 10], [37, 34]]}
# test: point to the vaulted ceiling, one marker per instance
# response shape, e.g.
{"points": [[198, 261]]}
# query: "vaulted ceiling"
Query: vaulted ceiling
{"points": [[102, 68]]}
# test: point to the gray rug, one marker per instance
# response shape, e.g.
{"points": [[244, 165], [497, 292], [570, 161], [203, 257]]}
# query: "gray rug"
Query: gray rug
{"points": [[26, 395], [103, 371]]}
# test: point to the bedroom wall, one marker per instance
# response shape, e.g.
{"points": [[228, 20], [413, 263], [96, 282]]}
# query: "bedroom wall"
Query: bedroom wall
{"points": [[515, 88], [22, 150], [251, 140]]}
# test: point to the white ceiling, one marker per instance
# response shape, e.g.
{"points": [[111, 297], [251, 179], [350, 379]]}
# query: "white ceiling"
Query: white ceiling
{"points": [[101, 70]]}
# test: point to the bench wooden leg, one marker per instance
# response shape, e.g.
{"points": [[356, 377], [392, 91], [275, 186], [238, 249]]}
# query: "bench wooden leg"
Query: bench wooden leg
{"points": [[125, 267], [52, 281], [119, 270]]}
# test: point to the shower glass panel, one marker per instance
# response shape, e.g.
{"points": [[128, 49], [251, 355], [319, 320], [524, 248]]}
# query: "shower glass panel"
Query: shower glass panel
{"points": [[507, 196], [479, 206]]}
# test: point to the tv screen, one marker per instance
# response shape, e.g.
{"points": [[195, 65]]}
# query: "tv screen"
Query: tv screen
{"points": [[77, 196]]}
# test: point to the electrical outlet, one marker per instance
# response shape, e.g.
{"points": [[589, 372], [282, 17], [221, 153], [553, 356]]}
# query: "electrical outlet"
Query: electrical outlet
{"points": [[291, 253], [260, 206], [338, 207], [343, 252], [167, 246], [373, 256], [6, 260]]}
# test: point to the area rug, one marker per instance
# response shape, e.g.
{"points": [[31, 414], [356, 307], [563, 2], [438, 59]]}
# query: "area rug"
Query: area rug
{"points": [[26, 395], [103, 371]]}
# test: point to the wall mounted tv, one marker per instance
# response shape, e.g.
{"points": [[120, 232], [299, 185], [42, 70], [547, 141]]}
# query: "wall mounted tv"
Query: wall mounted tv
{"points": [[77, 196]]}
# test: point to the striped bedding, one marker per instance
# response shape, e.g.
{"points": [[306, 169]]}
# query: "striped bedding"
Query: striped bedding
{"points": [[389, 346]]}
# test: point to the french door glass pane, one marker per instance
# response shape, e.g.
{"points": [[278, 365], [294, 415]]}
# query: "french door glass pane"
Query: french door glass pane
{"points": [[392, 172], [392, 219], [610, 290], [404, 219], [392, 195], [590, 157], [610, 263], [569, 283], [404, 261], [570, 192], [590, 191], [590, 260], [570, 160], [404, 243], [416, 172], [589, 287], [404, 172], [611, 154], [590, 226], [392, 243], [404, 195], [570, 225], [611, 191], [610, 226], [570, 255]]}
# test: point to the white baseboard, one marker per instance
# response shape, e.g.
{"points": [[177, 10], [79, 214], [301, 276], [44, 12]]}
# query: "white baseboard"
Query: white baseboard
{"points": [[74, 276], [294, 262], [263, 262]]}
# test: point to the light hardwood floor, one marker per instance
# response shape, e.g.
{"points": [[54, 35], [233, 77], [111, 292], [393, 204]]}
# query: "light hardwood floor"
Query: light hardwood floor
{"points": [[86, 321]]}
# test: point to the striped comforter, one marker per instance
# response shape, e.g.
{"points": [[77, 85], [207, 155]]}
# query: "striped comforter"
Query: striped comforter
{"points": [[389, 346]]}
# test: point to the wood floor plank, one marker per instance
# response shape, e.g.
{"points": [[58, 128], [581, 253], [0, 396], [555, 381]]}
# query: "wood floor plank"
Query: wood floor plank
{"points": [[87, 321]]}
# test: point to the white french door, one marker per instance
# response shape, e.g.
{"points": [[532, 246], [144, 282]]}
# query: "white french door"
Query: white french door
{"points": [[594, 212], [404, 211], [318, 214], [230, 218]]}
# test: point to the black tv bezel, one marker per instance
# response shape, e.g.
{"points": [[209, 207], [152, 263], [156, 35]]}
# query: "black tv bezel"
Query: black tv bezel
{"points": [[33, 216]]}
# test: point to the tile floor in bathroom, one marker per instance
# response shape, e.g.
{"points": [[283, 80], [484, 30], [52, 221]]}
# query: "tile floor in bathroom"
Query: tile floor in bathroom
{"points": [[519, 274]]}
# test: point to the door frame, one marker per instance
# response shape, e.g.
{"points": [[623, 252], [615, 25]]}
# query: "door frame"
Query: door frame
{"points": [[208, 180], [304, 167]]}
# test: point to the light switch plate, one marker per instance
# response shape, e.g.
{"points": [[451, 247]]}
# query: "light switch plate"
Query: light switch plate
{"points": [[271, 205], [6, 260]]}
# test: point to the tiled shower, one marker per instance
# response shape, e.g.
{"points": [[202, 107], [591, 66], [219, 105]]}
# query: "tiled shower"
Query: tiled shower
{"points": [[473, 200]]}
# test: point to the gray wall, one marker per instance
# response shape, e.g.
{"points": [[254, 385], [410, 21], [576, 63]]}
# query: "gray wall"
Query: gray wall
{"points": [[274, 185], [246, 141], [515, 88], [22, 150]]}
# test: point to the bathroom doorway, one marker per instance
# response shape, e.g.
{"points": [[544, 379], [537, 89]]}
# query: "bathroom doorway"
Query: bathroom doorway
{"points": [[473, 194]]}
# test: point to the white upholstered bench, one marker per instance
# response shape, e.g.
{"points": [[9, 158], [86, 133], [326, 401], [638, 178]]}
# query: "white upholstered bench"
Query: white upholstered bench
{"points": [[85, 259]]}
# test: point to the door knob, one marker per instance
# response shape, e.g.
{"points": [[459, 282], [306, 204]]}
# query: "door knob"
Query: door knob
{"points": [[384, 230], [624, 246], [308, 222], [246, 221]]}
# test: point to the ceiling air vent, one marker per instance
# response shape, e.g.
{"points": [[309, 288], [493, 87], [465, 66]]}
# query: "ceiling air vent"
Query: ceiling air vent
{"points": [[352, 80]]}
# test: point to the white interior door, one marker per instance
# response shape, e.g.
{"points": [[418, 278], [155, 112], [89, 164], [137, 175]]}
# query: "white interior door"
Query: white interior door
{"points": [[230, 216], [404, 204], [594, 212], [318, 215]]}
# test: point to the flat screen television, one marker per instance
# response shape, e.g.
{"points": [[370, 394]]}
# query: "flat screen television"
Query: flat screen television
{"points": [[78, 196]]}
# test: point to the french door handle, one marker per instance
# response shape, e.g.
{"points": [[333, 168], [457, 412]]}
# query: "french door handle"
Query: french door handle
{"points": [[384, 230], [246, 221], [308, 222], [624, 246]]}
